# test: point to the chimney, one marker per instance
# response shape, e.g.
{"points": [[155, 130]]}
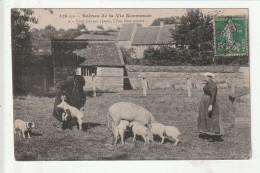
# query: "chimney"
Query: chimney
{"points": [[161, 23]]}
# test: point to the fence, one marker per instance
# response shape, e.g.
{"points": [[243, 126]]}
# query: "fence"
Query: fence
{"points": [[237, 110], [145, 86]]}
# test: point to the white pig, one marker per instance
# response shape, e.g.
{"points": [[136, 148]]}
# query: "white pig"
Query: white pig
{"points": [[130, 112]]}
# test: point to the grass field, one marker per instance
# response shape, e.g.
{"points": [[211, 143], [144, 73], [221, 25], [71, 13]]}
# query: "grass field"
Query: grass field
{"points": [[169, 107]]}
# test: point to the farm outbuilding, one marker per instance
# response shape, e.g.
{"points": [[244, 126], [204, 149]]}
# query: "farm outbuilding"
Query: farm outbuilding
{"points": [[88, 57], [140, 38], [126, 34], [104, 60], [152, 36]]}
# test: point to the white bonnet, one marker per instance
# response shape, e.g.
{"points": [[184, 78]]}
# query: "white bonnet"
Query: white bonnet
{"points": [[209, 74]]}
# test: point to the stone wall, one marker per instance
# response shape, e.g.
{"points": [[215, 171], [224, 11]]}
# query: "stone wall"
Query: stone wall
{"points": [[160, 77], [177, 76], [105, 81]]}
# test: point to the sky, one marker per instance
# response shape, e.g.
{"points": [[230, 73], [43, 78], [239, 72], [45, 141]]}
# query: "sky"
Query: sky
{"points": [[113, 18]]}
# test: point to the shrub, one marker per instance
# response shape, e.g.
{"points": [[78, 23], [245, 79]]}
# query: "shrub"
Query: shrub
{"points": [[232, 60], [166, 55], [101, 33], [129, 56]]}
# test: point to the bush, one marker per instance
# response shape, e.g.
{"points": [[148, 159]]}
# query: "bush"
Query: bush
{"points": [[232, 60], [169, 56], [129, 56], [101, 33]]}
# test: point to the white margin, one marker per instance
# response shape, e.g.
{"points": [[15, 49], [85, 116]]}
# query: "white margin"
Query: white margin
{"points": [[11, 166]]}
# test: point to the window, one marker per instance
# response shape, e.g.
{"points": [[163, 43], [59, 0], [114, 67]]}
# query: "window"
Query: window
{"points": [[87, 71]]}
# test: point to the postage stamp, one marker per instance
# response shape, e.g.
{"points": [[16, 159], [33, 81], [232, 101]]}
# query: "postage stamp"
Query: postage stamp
{"points": [[230, 35]]}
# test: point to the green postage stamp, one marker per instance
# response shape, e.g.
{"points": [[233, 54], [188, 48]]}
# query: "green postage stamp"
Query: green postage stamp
{"points": [[230, 35]]}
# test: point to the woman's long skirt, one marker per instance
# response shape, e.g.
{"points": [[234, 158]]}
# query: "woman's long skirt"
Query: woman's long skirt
{"points": [[209, 122]]}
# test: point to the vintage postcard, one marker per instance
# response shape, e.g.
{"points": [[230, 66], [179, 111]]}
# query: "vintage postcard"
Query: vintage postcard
{"points": [[131, 84]]}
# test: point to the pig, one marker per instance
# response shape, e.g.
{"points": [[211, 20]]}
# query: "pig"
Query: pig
{"points": [[139, 129], [120, 130], [165, 131], [158, 129], [130, 112], [172, 132]]}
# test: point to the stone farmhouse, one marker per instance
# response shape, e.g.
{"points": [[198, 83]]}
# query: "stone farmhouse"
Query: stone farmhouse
{"points": [[86, 58], [103, 59]]}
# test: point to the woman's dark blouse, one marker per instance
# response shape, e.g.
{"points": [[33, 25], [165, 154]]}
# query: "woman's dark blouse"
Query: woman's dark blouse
{"points": [[211, 90]]}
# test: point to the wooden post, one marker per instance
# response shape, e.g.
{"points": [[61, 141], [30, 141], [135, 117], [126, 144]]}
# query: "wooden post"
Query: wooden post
{"points": [[144, 86], [94, 85], [78, 71], [232, 86], [189, 87], [44, 80]]}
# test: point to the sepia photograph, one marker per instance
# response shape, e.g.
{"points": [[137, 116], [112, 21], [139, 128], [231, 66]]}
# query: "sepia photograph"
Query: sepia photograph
{"points": [[131, 84]]}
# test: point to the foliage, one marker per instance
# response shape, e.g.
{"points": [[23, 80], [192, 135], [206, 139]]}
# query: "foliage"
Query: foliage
{"points": [[168, 55], [100, 27], [72, 33], [50, 32], [162, 53], [194, 32], [129, 55], [232, 60], [81, 26], [166, 20], [21, 43], [21, 37], [101, 33], [193, 41]]}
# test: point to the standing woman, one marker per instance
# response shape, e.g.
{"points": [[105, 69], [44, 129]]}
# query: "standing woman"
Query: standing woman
{"points": [[209, 120]]}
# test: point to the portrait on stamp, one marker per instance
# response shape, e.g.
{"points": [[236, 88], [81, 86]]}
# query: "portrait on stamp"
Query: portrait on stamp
{"points": [[231, 35]]}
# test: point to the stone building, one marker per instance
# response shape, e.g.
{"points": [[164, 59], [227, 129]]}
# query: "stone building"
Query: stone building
{"points": [[103, 60], [126, 34], [85, 57], [141, 38]]}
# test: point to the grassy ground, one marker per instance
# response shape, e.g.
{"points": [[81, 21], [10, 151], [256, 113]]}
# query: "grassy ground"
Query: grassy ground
{"points": [[169, 107]]}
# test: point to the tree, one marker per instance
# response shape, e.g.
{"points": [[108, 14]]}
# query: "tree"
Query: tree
{"points": [[194, 30], [61, 33], [21, 43], [50, 32], [100, 27], [166, 20], [195, 33], [20, 31], [72, 33], [82, 26]]}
